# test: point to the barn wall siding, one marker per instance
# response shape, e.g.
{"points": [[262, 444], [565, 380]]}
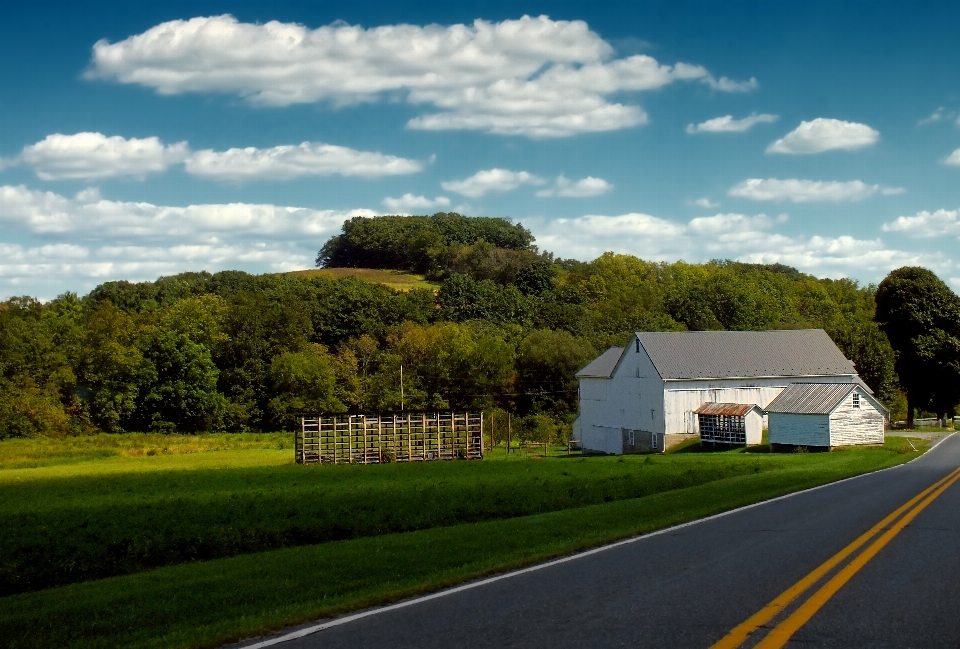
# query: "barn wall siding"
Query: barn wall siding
{"points": [[680, 404], [601, 439], [681, 398], [801, 430], [754, 426], [849, 425]]}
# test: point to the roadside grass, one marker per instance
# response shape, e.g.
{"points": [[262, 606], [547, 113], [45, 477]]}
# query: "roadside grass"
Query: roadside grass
{"points": [[395, 279], [205, 604], [67, 523]]}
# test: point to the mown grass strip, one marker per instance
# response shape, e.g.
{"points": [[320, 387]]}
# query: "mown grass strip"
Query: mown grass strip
{"points": [[205, 604]]}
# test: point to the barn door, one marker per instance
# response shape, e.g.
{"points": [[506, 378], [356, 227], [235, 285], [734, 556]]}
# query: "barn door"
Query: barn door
{"points": [[690, 422]]}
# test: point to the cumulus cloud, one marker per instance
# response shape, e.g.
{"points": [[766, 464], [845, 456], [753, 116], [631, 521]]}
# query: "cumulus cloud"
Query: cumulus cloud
{"points": [[808, 191], [953, 159], [727, 124], [290, 161], [824, 134], [532, 76], [566, 188], [491, 181], [92, 156], [90, 216], [748, 238], [926, 225], [409, 202], [936, 116], [91, 239], [704, 202]]}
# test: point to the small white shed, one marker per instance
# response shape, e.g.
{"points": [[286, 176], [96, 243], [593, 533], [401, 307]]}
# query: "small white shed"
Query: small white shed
{"points": [[825, 415], [730, 423]]}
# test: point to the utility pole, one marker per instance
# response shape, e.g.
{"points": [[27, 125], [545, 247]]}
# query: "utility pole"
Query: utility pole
{"points": [[401, 387]]}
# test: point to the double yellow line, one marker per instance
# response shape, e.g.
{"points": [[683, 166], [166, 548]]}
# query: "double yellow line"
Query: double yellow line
{"points": [[782, 633]]}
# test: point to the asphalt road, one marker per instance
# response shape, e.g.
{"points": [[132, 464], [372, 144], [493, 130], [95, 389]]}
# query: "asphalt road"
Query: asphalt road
{"points": [[689, 587]]}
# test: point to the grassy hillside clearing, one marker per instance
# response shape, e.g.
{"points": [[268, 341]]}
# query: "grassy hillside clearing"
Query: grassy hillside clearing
{"points": [[396, 279], [468, 518]]}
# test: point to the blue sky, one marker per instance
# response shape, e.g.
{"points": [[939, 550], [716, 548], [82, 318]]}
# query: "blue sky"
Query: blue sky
{"points": [[147, 139]]}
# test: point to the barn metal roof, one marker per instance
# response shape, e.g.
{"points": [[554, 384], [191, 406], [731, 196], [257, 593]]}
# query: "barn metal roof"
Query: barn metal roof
{"points": [[816, 398], [603, 365], [744, 354], [726, 409]]}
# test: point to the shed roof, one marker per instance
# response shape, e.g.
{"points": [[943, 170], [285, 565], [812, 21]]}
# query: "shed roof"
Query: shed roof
{"points": [[603, 365], [744, 354], [817, 398], [726, 409]]}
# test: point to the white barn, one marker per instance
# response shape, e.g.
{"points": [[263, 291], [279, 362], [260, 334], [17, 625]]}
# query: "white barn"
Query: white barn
{"points": [[645, 397], [825, 415]]}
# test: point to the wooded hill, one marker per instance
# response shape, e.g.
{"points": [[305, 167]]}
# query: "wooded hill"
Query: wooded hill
{"points": [[508, 328]]}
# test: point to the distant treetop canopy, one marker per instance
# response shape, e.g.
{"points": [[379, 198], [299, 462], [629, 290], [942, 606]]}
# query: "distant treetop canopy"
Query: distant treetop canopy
{"points": [[416, 243]]}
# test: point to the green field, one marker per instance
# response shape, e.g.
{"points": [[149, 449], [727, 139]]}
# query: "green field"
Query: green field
{"points": [[212, 538]]}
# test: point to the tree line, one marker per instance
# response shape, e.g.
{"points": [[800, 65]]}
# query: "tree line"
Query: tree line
{"points": [[507, 327]]}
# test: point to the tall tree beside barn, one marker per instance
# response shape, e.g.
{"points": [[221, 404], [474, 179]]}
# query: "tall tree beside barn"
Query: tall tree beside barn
{"points": [[921, 317]]}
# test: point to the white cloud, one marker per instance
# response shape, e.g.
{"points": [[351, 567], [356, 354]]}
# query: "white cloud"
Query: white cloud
{"points": [[88, 195], [937, 115], [752, 239], [532, 76], [953, 159], [92, 156], [807, 191], [408, 202], [50, 213], [491, 181], [823, 134], [704, 202], [723, 84], [289, 161], [727, 124], [926, 225], [566, 188], [125, 240]]}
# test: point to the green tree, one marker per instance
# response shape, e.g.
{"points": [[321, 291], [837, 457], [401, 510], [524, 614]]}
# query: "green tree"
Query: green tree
{"points": [[921, 317], [110, 367], [303, 381], [179, 385], [547, 363]]}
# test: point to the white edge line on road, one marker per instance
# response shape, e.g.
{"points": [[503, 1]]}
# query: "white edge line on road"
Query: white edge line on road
{"points": [[300, 633]]}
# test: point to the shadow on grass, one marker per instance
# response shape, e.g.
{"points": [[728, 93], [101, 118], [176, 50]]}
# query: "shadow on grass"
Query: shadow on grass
{"points": [[696, 446]]}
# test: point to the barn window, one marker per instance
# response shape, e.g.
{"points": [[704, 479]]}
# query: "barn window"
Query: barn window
{"points": [[856, 399], [653, 441], [638, 345]]}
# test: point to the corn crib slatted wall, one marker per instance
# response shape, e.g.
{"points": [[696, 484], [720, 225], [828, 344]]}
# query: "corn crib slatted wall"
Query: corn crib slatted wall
{"points": [[395, 437]]}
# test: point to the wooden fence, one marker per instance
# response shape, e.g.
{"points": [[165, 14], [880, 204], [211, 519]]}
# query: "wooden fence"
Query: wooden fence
{"points": [[394, 437]]}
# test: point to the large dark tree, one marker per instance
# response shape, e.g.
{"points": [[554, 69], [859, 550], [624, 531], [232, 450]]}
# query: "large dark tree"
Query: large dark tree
{"points": [[921, 317], [416, 243]]}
